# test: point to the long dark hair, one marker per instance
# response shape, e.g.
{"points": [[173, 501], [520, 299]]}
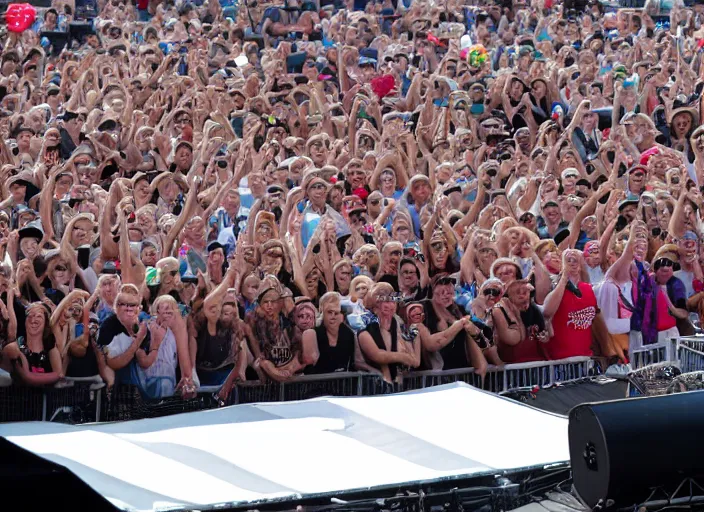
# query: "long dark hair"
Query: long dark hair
{"points": [[48, 340]]}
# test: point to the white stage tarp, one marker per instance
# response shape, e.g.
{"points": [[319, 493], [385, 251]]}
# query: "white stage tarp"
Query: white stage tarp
{"points": [[246, 453]]}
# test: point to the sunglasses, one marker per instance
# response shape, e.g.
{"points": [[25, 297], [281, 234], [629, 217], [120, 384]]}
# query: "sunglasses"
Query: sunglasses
{"points": [[127, 305], [491, 291], [61, 268], [374, 202], [663, 262]]}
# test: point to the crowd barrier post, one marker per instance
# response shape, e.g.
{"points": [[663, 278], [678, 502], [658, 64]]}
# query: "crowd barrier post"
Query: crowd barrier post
{"points": [[76, 397]]}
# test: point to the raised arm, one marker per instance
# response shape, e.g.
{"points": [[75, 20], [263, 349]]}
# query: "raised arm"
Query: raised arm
{"points": [[218, 294], [554, 298], [175, 231]]}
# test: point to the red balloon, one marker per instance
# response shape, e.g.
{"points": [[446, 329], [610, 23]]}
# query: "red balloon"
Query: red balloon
{"points": [[20, 17]]}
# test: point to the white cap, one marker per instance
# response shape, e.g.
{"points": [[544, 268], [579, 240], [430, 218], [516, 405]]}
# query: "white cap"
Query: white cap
{"points": [[465, 42]]}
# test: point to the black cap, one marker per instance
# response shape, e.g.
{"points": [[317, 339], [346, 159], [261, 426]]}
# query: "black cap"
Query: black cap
{"points": [[214, 246], [272, 189]]}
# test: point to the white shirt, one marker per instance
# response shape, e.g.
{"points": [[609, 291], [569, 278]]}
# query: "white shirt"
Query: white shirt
{"points": [[607, 298], [166, 359]]}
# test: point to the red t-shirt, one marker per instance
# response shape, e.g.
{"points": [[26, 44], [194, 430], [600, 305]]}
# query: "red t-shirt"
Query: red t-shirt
{"points": [[572, 324], [665, 320], [526, 351]]}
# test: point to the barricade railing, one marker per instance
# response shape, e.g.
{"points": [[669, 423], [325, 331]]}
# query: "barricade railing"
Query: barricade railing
{"points": [[499, 379], [75, 400], [662, 353], [125, 402], [311, 386], [690, 354], [86, 400]]}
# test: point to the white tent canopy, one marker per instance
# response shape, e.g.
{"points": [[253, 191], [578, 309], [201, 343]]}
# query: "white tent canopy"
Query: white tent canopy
{"points": [[247, 453]]}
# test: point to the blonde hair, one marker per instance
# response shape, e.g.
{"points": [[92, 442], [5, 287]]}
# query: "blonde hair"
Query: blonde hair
{"points": [[545, 246], [378, 290], [147, 209], [169, 260], [127, 289], [328, 298], [163, 299], [105, 277], [353, 285], [372, 255]]}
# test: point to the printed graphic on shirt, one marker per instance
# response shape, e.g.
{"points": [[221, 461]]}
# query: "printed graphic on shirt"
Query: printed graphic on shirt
{"points": [[582, 319], [280, 354]]}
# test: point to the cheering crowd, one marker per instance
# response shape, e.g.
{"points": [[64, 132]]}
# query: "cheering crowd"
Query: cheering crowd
{"points": [[203, 193]]}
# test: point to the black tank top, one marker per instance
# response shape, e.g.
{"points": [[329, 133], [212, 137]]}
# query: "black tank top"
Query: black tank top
{"points": [[454, 354], [38, 362], [374, 331], [339, 358], [214, 351]]}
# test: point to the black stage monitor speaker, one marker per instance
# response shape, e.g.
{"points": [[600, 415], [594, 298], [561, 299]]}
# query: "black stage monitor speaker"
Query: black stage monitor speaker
{"points": [[620, 450]]}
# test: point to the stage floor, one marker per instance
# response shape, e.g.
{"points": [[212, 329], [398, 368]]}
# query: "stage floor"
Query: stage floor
{"points": [[251, 453]]}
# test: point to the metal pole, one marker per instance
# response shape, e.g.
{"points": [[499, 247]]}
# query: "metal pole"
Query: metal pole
{"points": [[98, 404]]}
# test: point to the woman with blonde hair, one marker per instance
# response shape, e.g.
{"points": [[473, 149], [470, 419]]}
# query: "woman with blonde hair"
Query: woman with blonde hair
{"points": [[368, 259], [329, 347], [104, 295], [159, 356], [169, 280], [383, 342], [353, 307]]}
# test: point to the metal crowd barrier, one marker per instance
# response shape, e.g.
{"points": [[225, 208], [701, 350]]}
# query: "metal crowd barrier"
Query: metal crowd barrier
{"points": [[77, 400], [312, 386], [429, 378], [125, 402], [690, 354], [660, 354], [499, 379], [87, 400]]}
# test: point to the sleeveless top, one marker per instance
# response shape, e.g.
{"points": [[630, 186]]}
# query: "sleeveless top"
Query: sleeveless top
{"points": [[526, 351], [339, 358], [37, 362], [572, 323], [275, 339], [454, 354], [374, 331], [214, 351]]}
